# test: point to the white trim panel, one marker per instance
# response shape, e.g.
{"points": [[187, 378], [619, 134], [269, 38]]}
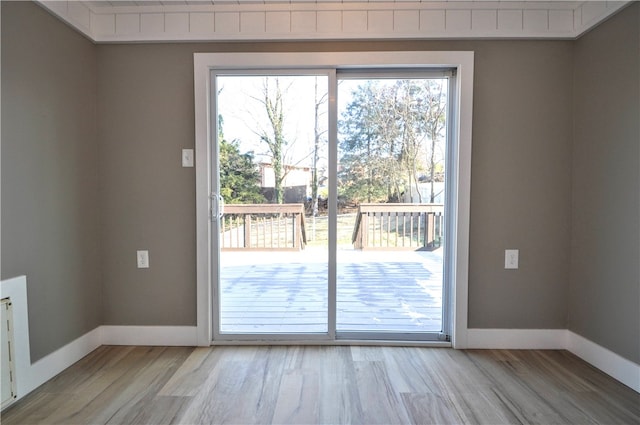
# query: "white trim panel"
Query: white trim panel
{"points": [[149, 335], [16, 290], [612, 364], [334, 20], [204, 308], [517, 339], [458, 248], [30, 376]]}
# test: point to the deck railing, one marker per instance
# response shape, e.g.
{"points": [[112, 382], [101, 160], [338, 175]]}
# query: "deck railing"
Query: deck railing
{"points": [[399, 226], [263, 227]]}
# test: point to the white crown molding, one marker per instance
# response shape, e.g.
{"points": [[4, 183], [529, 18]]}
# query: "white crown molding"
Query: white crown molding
{"points": [[326, 20]]}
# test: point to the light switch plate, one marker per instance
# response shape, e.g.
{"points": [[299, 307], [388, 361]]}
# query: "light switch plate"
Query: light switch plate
{"points": [[187, 157], [511, 258], [143, 259]]}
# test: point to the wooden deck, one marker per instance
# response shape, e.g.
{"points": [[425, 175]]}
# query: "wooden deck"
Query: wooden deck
{"points": [[286, 292]]}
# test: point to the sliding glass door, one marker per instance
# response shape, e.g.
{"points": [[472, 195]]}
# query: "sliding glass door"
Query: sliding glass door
{"points": [[330, 204], [391, 191], [272, 179]]}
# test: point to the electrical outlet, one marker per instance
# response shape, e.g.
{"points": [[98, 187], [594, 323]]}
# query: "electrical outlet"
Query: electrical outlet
{"points": [[143, 259], [511, 258]]}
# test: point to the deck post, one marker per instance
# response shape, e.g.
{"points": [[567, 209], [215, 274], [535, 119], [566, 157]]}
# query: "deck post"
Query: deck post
{"points": [[431, 226], [247, 231], [364, 231], [296, 226], [425, 239]]}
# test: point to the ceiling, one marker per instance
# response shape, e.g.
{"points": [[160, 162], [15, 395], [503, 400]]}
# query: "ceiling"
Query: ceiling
{"points": [[215, 20]]}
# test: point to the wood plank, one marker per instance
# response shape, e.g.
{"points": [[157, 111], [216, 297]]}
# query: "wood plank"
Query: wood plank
{"points": [[192, 374], [407, 367], [298, 398], [430, 409], [380, 403], [365, 353], [339, 390], [160, 410], [126, 397]]}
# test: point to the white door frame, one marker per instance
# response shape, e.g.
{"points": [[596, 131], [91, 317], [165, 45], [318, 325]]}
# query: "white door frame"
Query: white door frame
{"points": [[460, 173]]}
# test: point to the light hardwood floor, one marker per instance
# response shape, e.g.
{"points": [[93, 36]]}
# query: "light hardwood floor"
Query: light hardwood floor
{"points": [[327, 384]]}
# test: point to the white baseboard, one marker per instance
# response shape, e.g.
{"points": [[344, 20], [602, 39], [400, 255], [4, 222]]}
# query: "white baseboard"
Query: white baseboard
{"points": [[609, 362], [31, 376], [149, 335], [612, 364], [54, 363], [517, 339]]}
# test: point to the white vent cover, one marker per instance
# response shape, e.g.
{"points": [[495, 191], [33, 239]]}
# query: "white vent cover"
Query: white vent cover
{"points": [[7, 355]]}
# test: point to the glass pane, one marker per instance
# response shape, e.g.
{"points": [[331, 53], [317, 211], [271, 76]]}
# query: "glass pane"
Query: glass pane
{"points": [[391, 153], [273, 235]]}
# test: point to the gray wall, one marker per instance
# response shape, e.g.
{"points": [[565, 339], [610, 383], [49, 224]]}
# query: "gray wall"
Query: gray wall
{"points": [[521, 177], [49, 174], [146, 111], [605, 274], [520, 194], [520, 185]]}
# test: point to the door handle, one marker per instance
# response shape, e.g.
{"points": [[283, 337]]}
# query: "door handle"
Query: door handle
{"points": [[217, 210], [220, 206]]}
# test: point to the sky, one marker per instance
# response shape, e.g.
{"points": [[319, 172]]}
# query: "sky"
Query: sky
{"points": [[239, 103], [243, 115]]}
